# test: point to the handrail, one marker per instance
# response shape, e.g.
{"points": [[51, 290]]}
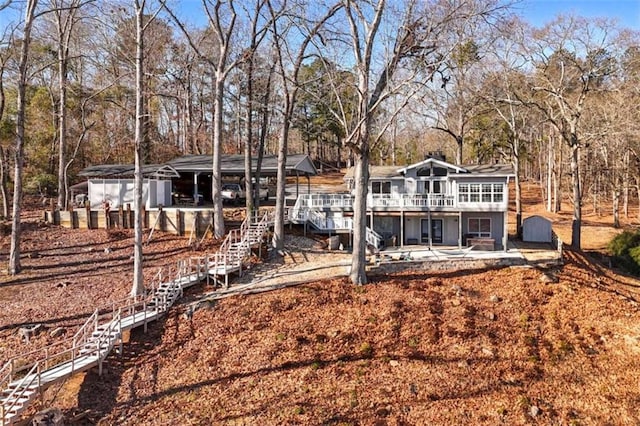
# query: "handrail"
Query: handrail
{"points": [[23, 386], [81, 334], [372, 237]]}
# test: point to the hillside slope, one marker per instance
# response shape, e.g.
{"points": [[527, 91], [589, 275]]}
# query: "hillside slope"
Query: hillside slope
{"points": [[468, 347]]}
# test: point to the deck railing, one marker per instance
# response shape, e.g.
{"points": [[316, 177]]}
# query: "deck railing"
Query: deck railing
{"points": [[322, 201]]}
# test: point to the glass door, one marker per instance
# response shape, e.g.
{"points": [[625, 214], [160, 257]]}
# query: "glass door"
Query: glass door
{"points": [[436, 231]]}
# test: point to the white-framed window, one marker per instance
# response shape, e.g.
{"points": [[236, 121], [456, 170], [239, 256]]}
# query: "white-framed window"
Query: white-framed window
{"points": [[381, 187], [481, 192], [479, 226]]}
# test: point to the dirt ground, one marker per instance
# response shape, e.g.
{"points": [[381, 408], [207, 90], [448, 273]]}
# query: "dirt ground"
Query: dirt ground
{"points": [[475, 347]]}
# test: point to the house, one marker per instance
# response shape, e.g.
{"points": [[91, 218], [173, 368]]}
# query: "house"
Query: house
{"points": [[431, 203], [114, 183]]}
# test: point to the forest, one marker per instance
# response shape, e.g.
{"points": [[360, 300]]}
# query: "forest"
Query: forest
{"points": [[350, 82]]}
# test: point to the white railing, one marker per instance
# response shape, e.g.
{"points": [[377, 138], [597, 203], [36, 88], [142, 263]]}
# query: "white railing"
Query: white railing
{"points": [[321, 201], [373, 238]]}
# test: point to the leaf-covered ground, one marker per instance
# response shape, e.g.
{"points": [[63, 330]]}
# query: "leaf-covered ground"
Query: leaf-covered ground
{"points": [[464, 347], [473, 347]]}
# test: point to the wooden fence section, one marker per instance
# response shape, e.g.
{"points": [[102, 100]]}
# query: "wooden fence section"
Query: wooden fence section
{"points": [[178, 221]]}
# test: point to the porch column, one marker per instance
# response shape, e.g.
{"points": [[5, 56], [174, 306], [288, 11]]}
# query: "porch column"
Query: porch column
{"points": [[401, 228], [460, 230], [195, 186], [505, 235], [308, 184], [297, 184], [429, 226]]}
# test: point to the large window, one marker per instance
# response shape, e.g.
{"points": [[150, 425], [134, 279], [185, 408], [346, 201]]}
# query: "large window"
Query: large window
{"points": [[479, 227], [476, 192], [383, 187]]}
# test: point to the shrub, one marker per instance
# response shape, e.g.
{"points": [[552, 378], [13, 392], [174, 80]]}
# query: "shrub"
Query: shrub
{"points": [[43, 184], [625, 248]]}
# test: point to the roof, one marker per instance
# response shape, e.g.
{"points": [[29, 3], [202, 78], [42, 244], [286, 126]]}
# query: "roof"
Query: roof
{"points": [[378, 172], [389, 172], [127, 170], [234, 164], [490, 169], [229, 165], [435, 161]]}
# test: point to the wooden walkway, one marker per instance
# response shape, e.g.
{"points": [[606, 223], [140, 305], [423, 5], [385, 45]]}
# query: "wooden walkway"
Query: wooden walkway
{"points": [[24, 378]]}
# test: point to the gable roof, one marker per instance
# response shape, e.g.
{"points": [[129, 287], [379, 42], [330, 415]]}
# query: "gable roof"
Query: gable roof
{"points": [[127, 170], [475, 170], [435, 161]]}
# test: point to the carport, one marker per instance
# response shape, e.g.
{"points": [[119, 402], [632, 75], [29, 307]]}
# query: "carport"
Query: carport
{"points": [[195, 171]]}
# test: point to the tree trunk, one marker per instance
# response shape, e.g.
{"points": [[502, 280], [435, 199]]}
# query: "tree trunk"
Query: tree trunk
{"points": [[550, 176], [248, 173], [216, 177], [3, 183], [576, 225], [4, 166], [616, 208], [516, 171], [137, 287], [278, 228], [459, 142], [14, 251], [358, 273]]}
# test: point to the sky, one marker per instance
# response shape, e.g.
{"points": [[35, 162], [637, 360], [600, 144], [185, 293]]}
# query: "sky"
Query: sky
{"points": [[539, 12]]}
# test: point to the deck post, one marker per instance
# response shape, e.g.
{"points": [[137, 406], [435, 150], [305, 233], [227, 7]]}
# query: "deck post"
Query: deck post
{"points": [[460, 230], [505, 234], [402, 228], [429, 227]]}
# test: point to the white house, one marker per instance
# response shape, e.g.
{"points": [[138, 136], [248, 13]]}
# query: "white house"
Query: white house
{"points": [[432, 202]]}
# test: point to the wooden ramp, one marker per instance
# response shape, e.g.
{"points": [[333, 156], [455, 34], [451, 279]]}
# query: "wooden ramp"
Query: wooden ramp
{"points": [[24, 378]]}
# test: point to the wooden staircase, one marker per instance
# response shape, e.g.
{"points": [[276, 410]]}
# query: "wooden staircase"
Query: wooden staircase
{"points": [[25, 377]]}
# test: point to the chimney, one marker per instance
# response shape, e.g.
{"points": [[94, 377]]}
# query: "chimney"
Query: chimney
{"points": [[436, 155]]}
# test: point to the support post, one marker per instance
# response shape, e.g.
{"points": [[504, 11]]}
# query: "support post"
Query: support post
{"points": [[505, 232], [401, 228], [460, 230], [429, 227]]}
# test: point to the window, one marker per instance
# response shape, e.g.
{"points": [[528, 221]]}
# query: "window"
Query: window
{"points": [[381, 187], [479, 227], [463, 193], [485, 192]]}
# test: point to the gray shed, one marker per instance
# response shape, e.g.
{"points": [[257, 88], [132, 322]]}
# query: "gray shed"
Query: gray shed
{"points": [[536, 229]]}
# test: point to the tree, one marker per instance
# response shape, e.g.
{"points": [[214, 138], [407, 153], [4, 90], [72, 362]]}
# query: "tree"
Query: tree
{"points": [[142, 23], [14, 251], [65, 15], [414, 51], [572, 60], [5, 53], [221, 16], [289, 74]]}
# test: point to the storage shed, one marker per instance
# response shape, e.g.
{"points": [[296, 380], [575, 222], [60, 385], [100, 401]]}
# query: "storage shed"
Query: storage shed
{"points": [[536, 229]]}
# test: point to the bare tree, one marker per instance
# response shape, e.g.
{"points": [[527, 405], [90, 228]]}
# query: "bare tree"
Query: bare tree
{"points": [[14, 252], [221, 16], [572, 59], [289, 74], [142, 22], [64, 13], [4, 170], [416, 45]]}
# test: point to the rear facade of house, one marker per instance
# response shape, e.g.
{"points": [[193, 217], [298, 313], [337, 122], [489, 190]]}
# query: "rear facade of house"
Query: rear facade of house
{"points": [[432, 203]]}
